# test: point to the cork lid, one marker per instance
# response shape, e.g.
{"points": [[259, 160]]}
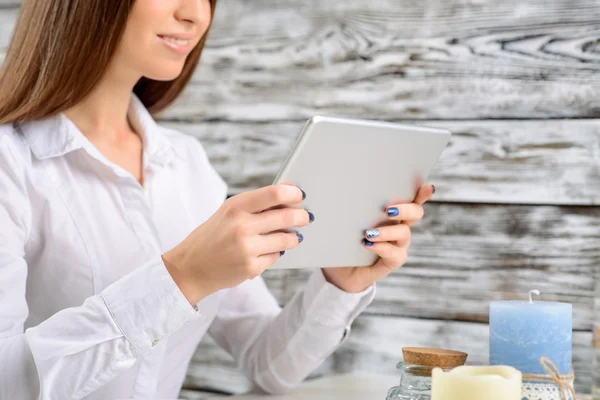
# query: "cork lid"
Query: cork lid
{"points": [[433, 357]]}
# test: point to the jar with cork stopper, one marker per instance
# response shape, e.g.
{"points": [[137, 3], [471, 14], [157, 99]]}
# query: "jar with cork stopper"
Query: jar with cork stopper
{"points": [[416, 368]]}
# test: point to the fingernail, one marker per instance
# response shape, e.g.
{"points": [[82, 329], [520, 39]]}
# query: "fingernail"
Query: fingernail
{"points": [[311, 216], [281, 253], [303, 194], [372, 233], [367, 243], [433, 189], [300, 237], [393, 212]]}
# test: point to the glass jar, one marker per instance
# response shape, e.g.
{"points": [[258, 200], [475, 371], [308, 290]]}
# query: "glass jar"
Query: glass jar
{"points": [[416, 370], [415, 382]]}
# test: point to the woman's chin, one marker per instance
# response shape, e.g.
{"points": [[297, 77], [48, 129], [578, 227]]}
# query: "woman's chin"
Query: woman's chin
{"points": [[165, 73]]}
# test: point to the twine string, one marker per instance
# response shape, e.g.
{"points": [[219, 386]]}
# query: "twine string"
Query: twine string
{"points": [[562, 381]]}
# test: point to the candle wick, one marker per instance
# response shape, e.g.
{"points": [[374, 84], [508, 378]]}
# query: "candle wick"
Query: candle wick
{"points": [[532, 292]]}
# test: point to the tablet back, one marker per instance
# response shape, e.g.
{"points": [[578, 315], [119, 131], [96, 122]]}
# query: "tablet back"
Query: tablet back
{"points": [[351, 170]]}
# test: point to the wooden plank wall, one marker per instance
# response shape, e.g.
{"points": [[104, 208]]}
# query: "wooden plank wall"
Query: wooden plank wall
{"points": [[517, 189]]}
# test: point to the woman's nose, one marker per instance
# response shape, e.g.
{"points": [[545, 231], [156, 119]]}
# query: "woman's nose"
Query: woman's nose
{"points": [[193, 11]]}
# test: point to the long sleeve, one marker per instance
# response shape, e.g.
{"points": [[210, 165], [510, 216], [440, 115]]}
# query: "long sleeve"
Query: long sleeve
{"points": [[78, 349], [278, 348]]}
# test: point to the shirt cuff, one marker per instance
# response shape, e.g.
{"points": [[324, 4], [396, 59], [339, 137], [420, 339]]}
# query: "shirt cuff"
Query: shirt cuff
{"points": [[147, 305], [330, 305]]}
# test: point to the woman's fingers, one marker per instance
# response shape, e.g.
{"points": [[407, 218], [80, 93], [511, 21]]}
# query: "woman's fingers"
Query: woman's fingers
{"points": [[411, 213], [267, 197], [279, 219], [405, 212], [392, 256], [399, 234], [265, 261], [424, 194], [265, 250], [274, 242]]}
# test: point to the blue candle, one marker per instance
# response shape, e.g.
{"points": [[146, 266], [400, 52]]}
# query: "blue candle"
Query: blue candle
{"points": [[521, 332]]}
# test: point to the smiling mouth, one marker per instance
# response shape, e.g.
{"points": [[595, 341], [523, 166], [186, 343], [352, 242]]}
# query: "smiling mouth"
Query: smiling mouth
{"points": [[174, 40]]}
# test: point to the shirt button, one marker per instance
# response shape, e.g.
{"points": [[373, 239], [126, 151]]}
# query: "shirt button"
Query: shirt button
{"points": [[155, 342]]}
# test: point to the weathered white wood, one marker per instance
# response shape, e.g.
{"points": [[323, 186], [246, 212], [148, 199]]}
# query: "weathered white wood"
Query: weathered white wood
{"points": [[464, 256], [375, 346], [354, 386], [187, 394], [214, 369], [427, 59], [7, 23], [537, 162]]}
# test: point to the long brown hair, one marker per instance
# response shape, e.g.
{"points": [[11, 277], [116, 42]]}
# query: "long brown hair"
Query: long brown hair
{"points": [[59, 51]]}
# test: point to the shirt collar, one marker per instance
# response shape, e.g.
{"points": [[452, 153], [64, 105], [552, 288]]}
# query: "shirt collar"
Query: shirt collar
{"points": [[57, 135]]}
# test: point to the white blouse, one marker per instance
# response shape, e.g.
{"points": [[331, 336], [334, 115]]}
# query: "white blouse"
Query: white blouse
{"points": [[88, 310]]}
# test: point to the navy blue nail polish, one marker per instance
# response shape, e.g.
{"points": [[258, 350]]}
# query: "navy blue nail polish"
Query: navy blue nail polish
{"points": [[281, 253], [372, 233], [300, 237], [433, 189], [311, 216], [393, 212], [368, 243], [303, 194]]}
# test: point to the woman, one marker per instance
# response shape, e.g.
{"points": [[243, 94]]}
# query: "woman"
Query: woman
{"points": [[118, 250]]}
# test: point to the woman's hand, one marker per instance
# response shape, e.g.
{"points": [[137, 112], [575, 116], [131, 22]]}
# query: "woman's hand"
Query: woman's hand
{"points": [[390, 242], [240, 241]]}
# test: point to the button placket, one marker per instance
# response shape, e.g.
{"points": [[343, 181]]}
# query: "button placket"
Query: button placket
{"points": [[140, 216], [137, 207]]}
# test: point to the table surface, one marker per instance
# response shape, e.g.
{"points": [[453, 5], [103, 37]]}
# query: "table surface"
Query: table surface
{"points": [[337, 387], [358, 386]]}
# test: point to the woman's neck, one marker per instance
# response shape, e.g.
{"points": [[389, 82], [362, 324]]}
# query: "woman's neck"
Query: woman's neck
{"points": [[102, 115], [102, 118]]}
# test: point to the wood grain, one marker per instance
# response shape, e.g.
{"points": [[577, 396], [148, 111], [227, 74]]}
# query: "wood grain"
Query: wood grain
{"points": [[398, 60], [507, 76], [187, 394], [375, 345], [464, 256], [211, 368], [535, 162], [8, 4], [394, 60], [8, 17]]}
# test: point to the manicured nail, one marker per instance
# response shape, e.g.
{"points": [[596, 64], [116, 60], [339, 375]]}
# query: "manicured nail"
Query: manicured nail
{"points": [[303, 194], [367, 243], [281, 253], [433, 189], [311, 216], [300, 237], [393, 211], [372, 233]]}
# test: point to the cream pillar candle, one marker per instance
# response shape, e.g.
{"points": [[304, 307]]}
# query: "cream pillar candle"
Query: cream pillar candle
{"points": [[476, 383]]}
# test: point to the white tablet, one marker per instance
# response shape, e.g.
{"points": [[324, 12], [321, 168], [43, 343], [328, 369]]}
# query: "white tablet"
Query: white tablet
{"points": [[351, 170]]}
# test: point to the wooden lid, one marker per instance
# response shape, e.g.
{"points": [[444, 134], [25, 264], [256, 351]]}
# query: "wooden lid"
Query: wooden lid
{"points": [[433, 357]]}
